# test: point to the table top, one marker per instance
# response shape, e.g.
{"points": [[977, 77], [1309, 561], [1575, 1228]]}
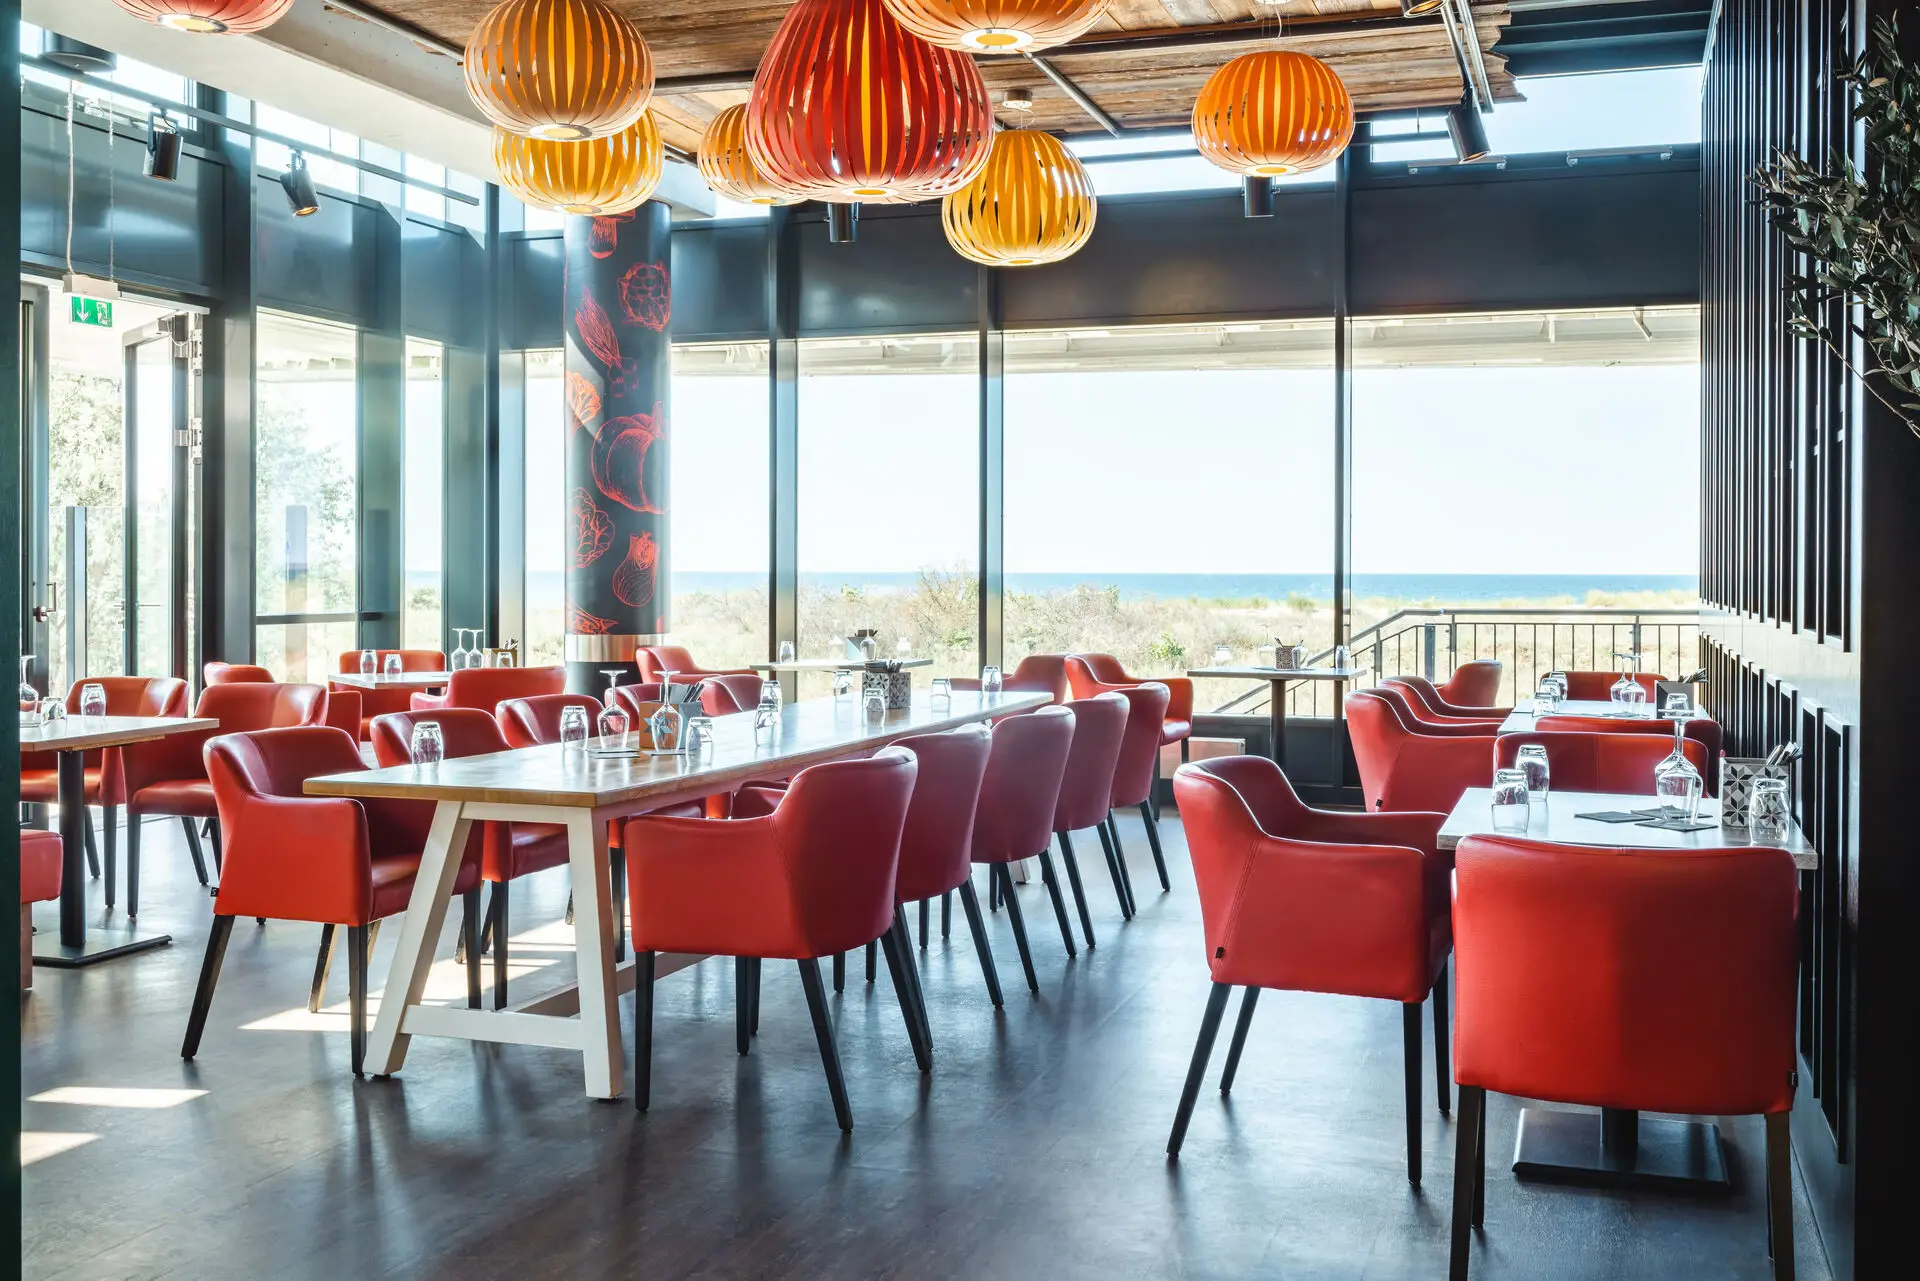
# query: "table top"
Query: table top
{"points": [[811, 731], [1473, 816], [74, 733], [1279, 673], [834, 664], [1521, 718], [380, 680]]}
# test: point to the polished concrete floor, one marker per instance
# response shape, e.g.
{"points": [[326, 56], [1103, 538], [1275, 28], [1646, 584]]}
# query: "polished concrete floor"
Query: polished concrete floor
{"points": [[1034, 1150]]}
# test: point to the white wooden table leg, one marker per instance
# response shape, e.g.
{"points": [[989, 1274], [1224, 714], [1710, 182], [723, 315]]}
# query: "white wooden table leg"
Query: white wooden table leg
{"points": [[593, 944], [419, 931]]}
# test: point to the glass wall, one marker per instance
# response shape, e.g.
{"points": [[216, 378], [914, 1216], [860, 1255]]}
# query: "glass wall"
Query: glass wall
{"points": [[1169, 490], [425, 472], [719, 510], [545, 498], [888, 502], [306, 443]]}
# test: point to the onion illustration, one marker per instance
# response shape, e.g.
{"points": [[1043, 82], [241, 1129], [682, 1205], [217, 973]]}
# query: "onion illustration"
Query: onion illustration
{"points": [[621, 461], [639, 574]]}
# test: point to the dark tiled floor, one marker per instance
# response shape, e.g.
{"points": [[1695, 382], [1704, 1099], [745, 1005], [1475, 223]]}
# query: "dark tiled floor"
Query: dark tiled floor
{"points": [[1036, 1148]]}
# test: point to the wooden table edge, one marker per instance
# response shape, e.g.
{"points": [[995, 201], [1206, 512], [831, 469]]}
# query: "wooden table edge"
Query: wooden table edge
{"points": [[122, 738]]}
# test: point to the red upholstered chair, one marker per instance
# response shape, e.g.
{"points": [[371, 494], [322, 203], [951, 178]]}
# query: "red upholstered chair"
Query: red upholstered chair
{"points": [[1700, 729], [530, 722], [1308, 900], [1034, 674], [1473, 684], [1620, 763], [1015, 816], [1091, 674], [1138, 768], [1086, 792], [1636, 980], [346, 708], [1419, 687], [717, 698], [1597, 687], [815, 877], [656, 660], [237, 674], [168, 777], [1414, 713], [1402, 768], [106, 784], [40, 855], [378, 702], [333, 860], [488, 687]]}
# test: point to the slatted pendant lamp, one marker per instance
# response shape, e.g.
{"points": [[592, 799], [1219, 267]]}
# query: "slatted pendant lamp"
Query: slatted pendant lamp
{"points": [[1032, 204], [599, 176], [209, 17], [997, 26], [559, 69], [1273, 112], [850, 106], [727, 167]]}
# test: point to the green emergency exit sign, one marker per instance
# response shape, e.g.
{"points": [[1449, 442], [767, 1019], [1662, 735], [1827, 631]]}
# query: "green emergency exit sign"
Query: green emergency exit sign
{"points": [[92, 311]]}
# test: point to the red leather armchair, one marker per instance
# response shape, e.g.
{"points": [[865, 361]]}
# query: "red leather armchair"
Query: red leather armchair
{"points": [[1402, 768], [1597, 687], [169, 776], [1034, 674], [379, 702], [332, 860], [1086, 793], [237, 674], [1473, 684], [488, 687], [1415, 713], [1309, 900], [1419, 687], [1138, 768], [1637, 980], [530, 722], [1620, 763], [106, 784], [716, 697], [40, 855], [654, 661], [815, 877], [1091, 674], [1014, 819]]}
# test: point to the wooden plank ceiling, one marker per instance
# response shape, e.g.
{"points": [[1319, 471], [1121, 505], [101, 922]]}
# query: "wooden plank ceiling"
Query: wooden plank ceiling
{"points": [[1386, 63]]}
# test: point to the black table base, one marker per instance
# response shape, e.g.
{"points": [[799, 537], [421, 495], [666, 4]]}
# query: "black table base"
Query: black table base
{"points": [[1614, 1148], [103, 943], [75, 946]]}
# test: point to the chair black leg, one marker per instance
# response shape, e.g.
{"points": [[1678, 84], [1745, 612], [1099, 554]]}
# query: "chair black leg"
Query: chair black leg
{"points": [[498, 906], [1113, 870], [1197, 1070], [1468, 1152], [946, 915], [1120, 857], [1442, 1060], [753, 990], [209, 977], [642, 1030], [215, 841], [619, 871], [970, 905], [993, 891], [87, 839], [839, 971], [1239, 1042], [742, 1003], [194, 850], [1480, 1166], [1059, 904], [869, 965], [358, 944], [823, 1033], [912, 971], [926, 921], [1780, 1195], [133, 865], [316, 995], [470, 937], [1019, 924], [1410, 1042], [890, 941], [109, 822], [1079, 890], [1153, 843]]}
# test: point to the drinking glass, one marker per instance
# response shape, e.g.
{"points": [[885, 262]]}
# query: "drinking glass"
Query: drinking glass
{"points": [[874, 701], [942, 695], [369, 662], [613, 675], [614, 724], [1633, 700], [573, 726], [428, 748], [393, 664], [766, 720], [1679, 707], [1768, 815], [503, 659], [700, 736], [770, 695], [990, 682], [786, 651], [1546, 698], [51, 710], [1675, 781], [869, 648], [93, 700], [664, 728], [842, 684], [1222, 655], [1531, 760], [1342, 658], [29, 696], [1559, 682], [1509, 800]]}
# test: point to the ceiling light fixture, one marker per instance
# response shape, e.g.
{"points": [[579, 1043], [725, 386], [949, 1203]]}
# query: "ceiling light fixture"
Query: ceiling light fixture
{"points": [[1468, 129], [1270, 113], [78, 55], [297, 182], [727, 167], [997, 26], [1032, 204], [599, 176], [209, 17], [562, 70], [163, 147], [1419, 8]]}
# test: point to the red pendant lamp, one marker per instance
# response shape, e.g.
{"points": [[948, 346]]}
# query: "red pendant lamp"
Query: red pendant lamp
{"points": [[1273, 112], [209, 17], [849, 106]]}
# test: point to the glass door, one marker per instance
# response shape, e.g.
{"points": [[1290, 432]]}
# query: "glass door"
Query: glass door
{"points": [[158, 373], [37, 599]]}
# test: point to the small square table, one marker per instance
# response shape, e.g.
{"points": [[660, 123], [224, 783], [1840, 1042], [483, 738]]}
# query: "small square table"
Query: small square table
{"points": [[1279, 678], [403, 680]]}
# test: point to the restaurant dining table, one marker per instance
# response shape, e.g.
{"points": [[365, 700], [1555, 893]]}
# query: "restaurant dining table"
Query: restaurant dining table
{"points": [[836, 664], [570, 786], [1521, 719], [1278, 678], [1615, 1147], [72, 737], [399, 680]]}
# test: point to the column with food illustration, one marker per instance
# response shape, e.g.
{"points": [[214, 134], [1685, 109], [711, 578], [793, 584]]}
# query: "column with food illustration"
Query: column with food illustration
{"points": [[618, 302]]}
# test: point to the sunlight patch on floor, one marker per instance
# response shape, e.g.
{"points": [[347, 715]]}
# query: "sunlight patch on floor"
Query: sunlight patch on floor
{"points": [[446, 984], [105, 1096], [38, 1145]]}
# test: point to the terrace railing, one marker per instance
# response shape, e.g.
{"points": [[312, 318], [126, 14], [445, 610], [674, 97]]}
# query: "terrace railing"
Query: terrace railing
{"points": [[1432, 641]]}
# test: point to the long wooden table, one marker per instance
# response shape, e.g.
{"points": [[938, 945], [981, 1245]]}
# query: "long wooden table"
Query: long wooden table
{"points": [[568, 787], [72, 737], [1614, 1147]]}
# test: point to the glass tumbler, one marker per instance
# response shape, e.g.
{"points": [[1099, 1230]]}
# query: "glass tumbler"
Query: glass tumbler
{"points": [[1509, 800], [770, 695], [990, 682], [573, 726], [1531, 760], [1769, 818], [427, 748], [874, 701], [93, 700], [699, 736], [393, 664], [1222, 655], [942, 695], [842, 684], [614, 724], [786, 651], [369, 662]]}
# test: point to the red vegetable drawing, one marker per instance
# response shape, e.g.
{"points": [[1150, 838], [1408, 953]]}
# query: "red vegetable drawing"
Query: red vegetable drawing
{"points": [[620, 458], [582, 399], [592, 530], [606, 234], [639, 573], [581, 623], [646, 295], [623, 380], [596, 331]]}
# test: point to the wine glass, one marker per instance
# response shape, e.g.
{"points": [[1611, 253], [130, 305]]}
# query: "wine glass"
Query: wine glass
{"points": [[942, 695], [842, 684], [613, 675], [369, 662], [93, 700], [427, 747], [393, 666], [573, 726], [1531, 760], [1675, 781], [1633, 700], [614, 724], [1509, 800]]}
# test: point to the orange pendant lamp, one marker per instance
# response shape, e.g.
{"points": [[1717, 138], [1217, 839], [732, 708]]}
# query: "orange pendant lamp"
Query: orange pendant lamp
{"points": [[599, 176], [1271, 113], [563, 70], [209, 17], [1032, 204], [727, 167], [850, 106], [997, 26]]}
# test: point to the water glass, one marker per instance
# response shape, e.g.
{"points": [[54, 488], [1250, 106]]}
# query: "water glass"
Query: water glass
{"points": [[1546, 699], [393, 664], [51, 710], [1509, 800], [368, 662], [1679, 707], [770, 695], [766, 721], [842, 684], [1769, 818], [1531, 761], [503, 659], [874, 701], [1222, 655], [942, 695], [1633, 699], [1342, 659], [573, 726], [428, 748], [29, 696], [990, 682], [1680, 789], [614, 724], [93, 700], [700, 736], [786, 651]]}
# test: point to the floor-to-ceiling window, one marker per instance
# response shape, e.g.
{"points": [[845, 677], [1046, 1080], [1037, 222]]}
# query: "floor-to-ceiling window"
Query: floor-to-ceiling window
{"points": [[545, 498], [1526, 488], [425, 472], [1169, 491], [718, 506], [305, 524], [888, 502]]}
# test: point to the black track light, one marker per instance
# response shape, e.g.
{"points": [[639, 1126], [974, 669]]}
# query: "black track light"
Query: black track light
{"points": [[1468, 130], [297, 182], [841, 222], [1256, 195], [163, 147]]}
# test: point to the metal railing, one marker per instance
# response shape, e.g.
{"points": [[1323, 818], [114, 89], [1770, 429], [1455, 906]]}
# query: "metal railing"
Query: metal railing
{"points": [[1529, 642]]}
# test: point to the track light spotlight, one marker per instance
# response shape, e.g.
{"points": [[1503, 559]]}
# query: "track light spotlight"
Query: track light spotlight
{"points": [[297, 182], [842, 219], [1468, 130], [163, 147], [1256, 195]]}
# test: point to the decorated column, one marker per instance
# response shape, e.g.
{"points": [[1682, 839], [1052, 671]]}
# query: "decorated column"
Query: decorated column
{"points": [[618, 302]]}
